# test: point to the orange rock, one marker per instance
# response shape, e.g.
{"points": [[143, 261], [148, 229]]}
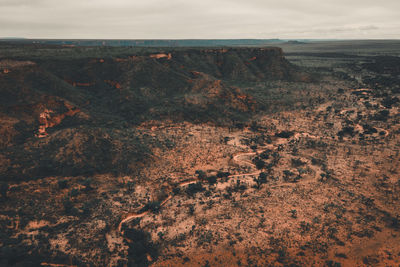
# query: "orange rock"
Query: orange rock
{"points": [[157, 56], [48, 121], [196, 73]]}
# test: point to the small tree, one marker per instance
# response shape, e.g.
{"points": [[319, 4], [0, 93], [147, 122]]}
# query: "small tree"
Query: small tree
{"points": [[62, 184], [153, 206], [212, 179], [4, 189], [201, 174], [131, 185], [254, 126], [87, 183], [261, 179], [265, 154], [176, 190], [221, 174], [194, 188], [259, 163], [68, 206]]}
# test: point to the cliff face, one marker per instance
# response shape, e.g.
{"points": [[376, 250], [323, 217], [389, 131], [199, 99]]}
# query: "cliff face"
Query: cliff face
{"points": [[172, 69], [53, 103], [244, 64], [136, 83]]}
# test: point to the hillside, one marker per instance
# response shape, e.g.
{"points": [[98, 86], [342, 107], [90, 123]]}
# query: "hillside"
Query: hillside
{"points": [[86, 104]]}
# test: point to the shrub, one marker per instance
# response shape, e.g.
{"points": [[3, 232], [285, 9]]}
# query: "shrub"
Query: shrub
{"points": [[261, 179], [341, 255], [254, 126], [191, 209], [87, 184], [265, 154], [287, 173], [74, 192], [212, 179], [62, 184], [140, 246], [389, 101], [259, 163], [223, 174], [68, 206], [176, 190], [201, 174], [348, 130], [239, 186], [130, 185], [153, 206], [194, 188], [4, 189], [294, 213], [316, 161], [298, 163], [285, 134], [253, 147], [381, 115], [87, 207], [331, 263]]}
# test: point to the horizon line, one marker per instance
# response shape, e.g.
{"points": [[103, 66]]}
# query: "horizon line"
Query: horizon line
{"points": [[195, 39]]}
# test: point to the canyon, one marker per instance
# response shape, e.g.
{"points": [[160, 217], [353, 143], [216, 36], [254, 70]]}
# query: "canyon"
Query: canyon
{"points": [[211, 156]]}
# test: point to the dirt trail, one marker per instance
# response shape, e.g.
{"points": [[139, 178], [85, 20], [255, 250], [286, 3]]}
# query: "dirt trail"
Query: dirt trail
{"points": [[130, 216], [56, 265], [245, 162]]}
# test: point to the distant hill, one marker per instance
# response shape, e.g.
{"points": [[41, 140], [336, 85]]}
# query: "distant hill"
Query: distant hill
{"points": [[12, 38], [153, 43]]}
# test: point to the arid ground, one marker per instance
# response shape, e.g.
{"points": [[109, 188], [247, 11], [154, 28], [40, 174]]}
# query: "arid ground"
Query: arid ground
{"points": [[240, 156]]}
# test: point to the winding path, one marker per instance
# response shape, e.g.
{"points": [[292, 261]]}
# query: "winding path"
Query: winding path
{"points": [[236, 158]]}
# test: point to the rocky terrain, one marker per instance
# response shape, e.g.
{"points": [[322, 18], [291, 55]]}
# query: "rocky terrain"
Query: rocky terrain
{"points": [[199, 157]]}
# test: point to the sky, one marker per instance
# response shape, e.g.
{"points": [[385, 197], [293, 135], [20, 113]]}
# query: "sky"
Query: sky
{"points": [[200, 19]]}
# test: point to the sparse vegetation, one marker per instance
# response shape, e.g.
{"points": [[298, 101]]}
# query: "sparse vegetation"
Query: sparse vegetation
{"points": [[254, 159]]}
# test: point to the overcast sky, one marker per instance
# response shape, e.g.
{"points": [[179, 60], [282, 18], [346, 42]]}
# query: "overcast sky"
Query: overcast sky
{"points": [[180, 19]]}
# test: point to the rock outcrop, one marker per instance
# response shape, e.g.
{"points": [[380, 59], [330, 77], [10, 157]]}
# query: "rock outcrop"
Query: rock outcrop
{"points": [[162, 55], [48, 118]]}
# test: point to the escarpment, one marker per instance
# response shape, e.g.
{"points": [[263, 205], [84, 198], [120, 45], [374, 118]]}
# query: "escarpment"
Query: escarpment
{"points": [[49, 104], [244, 64]]}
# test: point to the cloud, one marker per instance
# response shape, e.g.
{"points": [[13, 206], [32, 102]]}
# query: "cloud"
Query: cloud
{"points": [[152, 19]]}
